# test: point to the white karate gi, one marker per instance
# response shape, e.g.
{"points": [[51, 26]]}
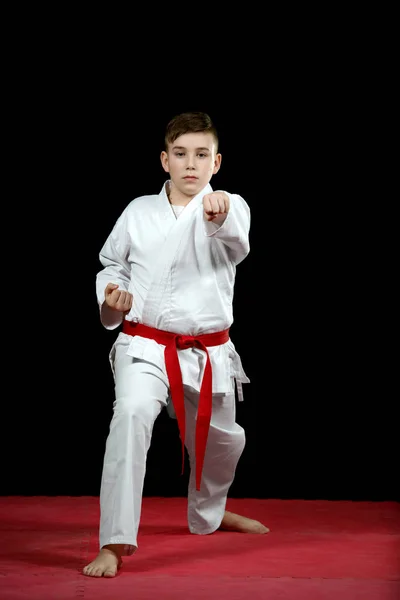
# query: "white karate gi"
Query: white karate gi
{"points": [[181, 273]]}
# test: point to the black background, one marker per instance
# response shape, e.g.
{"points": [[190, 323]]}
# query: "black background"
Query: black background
{"points": [[319, 411]]}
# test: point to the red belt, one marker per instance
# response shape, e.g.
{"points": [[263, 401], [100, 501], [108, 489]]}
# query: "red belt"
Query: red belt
{"points": [[174, 342]]}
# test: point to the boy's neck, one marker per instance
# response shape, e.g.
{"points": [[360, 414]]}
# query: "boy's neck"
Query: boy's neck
{"points": [[178, 202], [175, 198]]}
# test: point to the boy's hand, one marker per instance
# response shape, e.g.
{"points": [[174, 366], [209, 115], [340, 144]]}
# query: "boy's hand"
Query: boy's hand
{"points": [[216, 206], [117, 299]]}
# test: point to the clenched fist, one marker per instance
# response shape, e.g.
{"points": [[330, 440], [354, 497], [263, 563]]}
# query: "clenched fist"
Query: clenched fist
{"points": [[118, 299], [216, 206]]}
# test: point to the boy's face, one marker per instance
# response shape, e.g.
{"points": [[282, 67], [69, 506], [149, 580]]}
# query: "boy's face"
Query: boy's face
{"points": [[191, 161]]}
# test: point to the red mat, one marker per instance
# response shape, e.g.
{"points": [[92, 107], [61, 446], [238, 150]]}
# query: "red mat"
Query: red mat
{"points": [[315, 550]]}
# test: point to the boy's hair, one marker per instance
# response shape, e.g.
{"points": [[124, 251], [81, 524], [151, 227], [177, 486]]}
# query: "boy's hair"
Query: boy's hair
{"points": [[189, 122]]}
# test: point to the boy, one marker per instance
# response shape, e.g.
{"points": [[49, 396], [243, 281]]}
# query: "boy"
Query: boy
{"points": [[168, 276]]}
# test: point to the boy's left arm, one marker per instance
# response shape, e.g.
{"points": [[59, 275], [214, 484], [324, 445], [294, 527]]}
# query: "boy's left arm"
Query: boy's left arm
{"points": [[227, 217]]}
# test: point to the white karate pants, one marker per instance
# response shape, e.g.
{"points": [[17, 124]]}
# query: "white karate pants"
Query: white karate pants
{"points": [[141, 391]]}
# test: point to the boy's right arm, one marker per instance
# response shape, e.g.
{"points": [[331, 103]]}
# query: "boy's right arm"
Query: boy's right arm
{"points": [[112, 282]]}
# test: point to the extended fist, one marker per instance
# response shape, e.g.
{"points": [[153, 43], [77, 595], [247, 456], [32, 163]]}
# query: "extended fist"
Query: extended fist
{"points": [[118, 299], [215, 204]]}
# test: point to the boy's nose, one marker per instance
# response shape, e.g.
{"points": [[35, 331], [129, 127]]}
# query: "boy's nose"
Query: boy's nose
{"points": [[190, 162]]}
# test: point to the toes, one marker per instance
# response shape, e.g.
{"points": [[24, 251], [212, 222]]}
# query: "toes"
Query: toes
{"points": [[100, 570], [263, 529], [260, 528]]}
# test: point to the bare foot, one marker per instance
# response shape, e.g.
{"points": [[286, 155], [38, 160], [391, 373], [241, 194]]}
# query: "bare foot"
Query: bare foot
{"points": [[233, 522], [106, 563]]}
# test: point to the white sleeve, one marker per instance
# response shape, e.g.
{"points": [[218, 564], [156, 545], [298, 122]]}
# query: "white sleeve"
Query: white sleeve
{"points": [[234, 231], [116, 269]]}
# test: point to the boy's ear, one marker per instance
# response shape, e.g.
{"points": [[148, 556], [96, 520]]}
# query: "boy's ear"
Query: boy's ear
{"points": [[217, 163], [164, 161]]}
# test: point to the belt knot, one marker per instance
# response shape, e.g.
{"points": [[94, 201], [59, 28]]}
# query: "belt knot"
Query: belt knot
{"points": [[186, 341]]}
